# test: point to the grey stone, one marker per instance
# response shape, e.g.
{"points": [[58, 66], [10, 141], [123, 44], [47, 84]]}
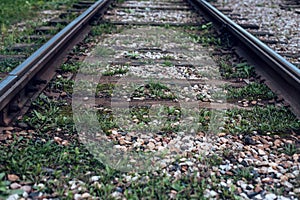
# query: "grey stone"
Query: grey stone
{"points": [[15, 186], [13, 197], [77, 196], [270, 196]]}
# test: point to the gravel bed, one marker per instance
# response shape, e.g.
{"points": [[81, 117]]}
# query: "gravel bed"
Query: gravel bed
{"points": [[253, 164], [284, 24], [153, 16]]}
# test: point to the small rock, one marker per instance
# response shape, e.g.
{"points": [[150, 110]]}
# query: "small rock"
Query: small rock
{"points": [[95, 178], [263, 163], [264, 141], [136, 121], [221, 134], [253, 102], [119, 189], [225, 167], [245, 196], [134, 178], [77, 196], [173, 194], [229, 173], [248, 140], [65, 143], [258, 189], [288, 184], [261, 152], [35, 195], [278, 175], [277, 142], [13, 197], [41, 186], [58, 139], [97, 185], [290, 175], [284, 178], [244, 163], [151, 145], [267, 180], [223, 184], [270, 197], [25, 194], [15, 186], [272, 101], [245, 104], [119, 147], [26, 188], [63, 94], [282, 198], [258, 197], [242, 154], [123, 133], [212, 193], [296, 157], [116, 195], [223, 140], [12, 177], [22, 125], [297, 190], [85, 195]]}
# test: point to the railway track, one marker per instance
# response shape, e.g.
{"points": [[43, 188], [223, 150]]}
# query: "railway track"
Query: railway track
{"points": [[164, 81], [284, 85]]}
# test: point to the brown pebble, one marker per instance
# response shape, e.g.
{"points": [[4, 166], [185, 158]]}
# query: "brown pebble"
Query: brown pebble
{"points": [[63, 94], [239, 190], [229, 173], [58, 140], [271, 101], [12, 177], [253, 102], [296, 157], [258, 189], [174, 191], [184, 168], [65, 143], [121, 141], [284, 178], [264, 141], [221, 134], [223, 140], [242, 155], [277, 142], [267, 180]]}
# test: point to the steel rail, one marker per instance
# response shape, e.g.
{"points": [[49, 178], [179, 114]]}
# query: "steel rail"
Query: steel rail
{"points": [[17, 79], [282, 76]]}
